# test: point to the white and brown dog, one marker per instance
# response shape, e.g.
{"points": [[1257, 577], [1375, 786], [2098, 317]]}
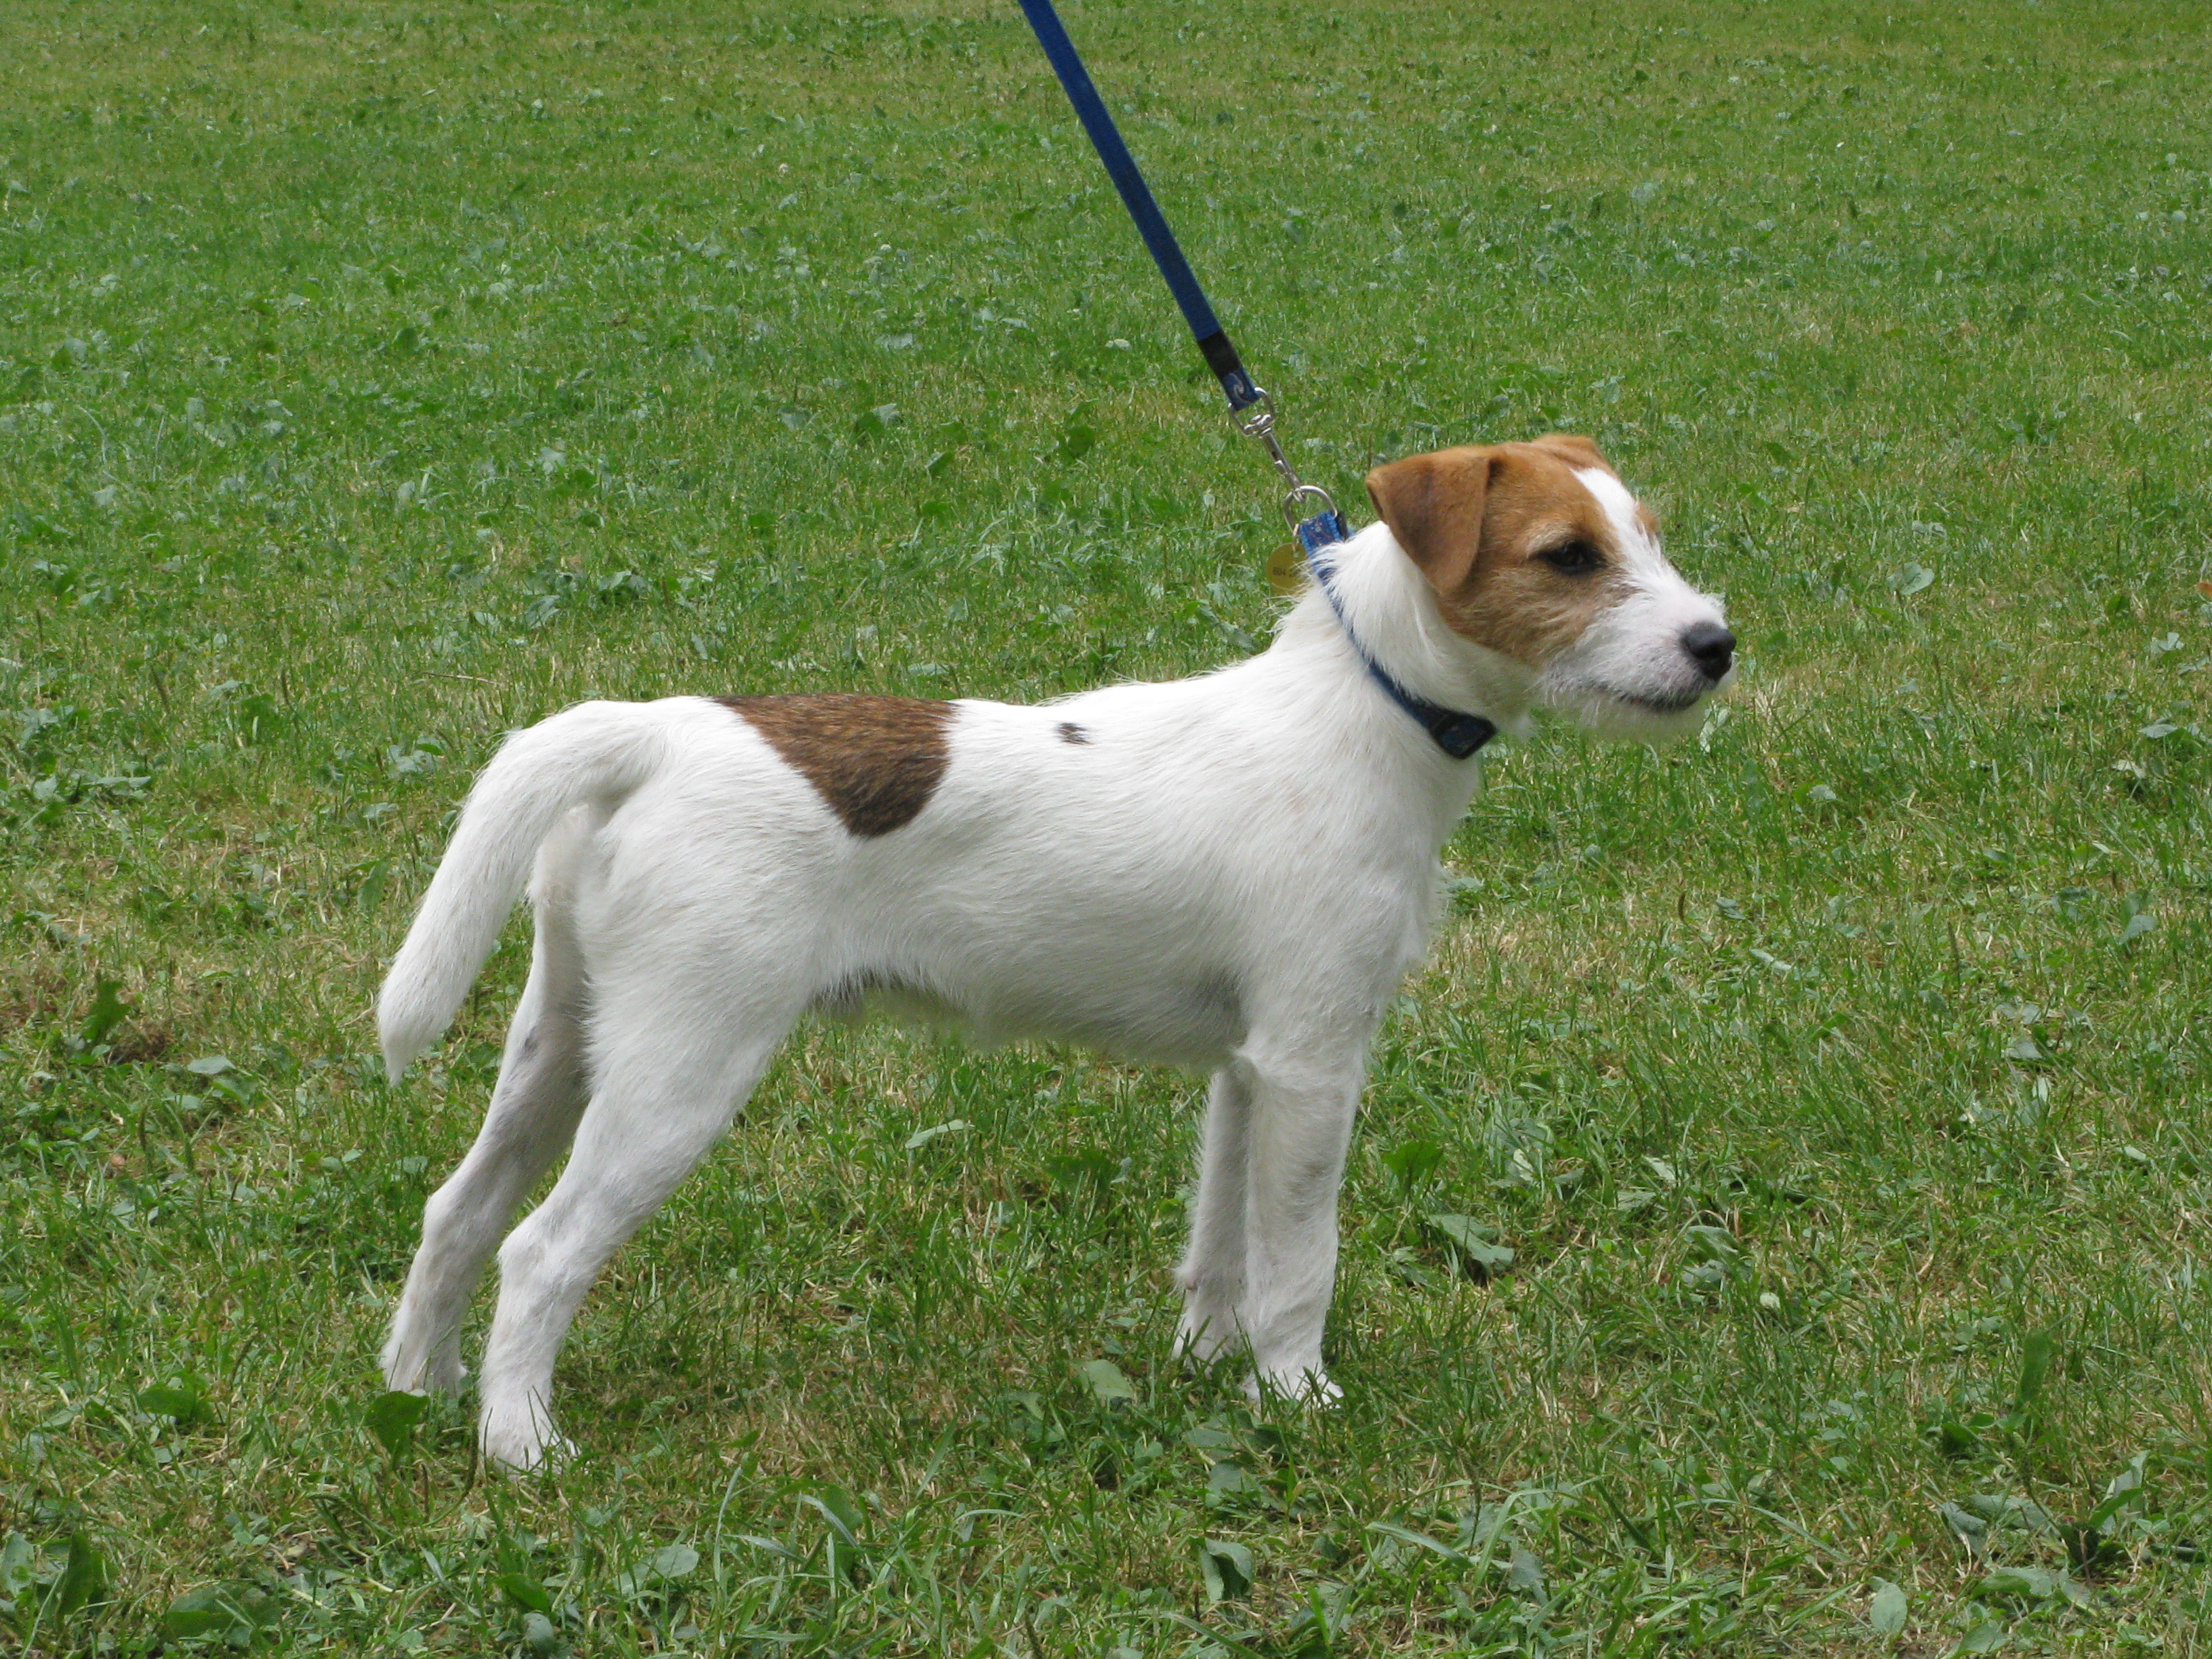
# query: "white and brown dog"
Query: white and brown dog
{"points": [[1232, 872]]}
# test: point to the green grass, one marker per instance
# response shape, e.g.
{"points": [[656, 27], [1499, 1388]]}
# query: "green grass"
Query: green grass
{"points": [[377, 378]]}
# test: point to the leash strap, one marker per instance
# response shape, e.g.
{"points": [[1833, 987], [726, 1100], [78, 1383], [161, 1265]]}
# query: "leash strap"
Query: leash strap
{"points": [[1457, 734], [1205, 328]]}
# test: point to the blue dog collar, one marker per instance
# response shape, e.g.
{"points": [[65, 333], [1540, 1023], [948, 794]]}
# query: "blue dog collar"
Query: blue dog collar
{"points": [[1457, 734]]}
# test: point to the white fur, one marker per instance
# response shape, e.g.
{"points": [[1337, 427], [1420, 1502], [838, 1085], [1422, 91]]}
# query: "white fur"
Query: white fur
{"points": [[1233, 872], [1627, 675]]}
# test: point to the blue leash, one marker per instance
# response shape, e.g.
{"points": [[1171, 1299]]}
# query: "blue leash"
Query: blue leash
{"points": [[1457, 734], [1151, 224]]}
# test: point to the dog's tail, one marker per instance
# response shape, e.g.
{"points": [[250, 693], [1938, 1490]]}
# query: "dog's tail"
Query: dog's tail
{"points": [[596, 752]]}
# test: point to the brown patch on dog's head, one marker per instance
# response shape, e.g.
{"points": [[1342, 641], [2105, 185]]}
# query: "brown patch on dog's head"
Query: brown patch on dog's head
{"points": [[1523, 557], [1578, 451], [875, 760], [1573, 448]]}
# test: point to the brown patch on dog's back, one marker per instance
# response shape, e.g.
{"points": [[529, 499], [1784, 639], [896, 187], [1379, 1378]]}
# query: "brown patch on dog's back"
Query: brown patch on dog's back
{"points": [[876, 761], [1071, 732]]}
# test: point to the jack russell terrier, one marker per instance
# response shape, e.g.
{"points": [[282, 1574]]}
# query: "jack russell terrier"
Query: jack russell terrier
{"points": [[1231, 872]]}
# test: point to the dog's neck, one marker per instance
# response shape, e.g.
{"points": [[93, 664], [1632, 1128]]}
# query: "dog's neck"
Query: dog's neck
{"points": [[1385, 607]]}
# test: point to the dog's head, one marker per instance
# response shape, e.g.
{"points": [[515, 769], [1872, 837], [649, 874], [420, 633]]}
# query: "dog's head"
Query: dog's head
{"points": [[1538, 553]]}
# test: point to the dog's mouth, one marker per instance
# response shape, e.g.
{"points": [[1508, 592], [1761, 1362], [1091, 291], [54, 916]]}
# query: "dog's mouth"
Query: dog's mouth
{"points": [[1612, 710], [1592, 691], [1680, 703]]}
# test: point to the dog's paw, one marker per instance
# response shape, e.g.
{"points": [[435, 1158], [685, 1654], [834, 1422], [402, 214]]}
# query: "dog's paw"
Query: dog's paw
{"points": [[522, 1439], [1201, 1341], [447, 1374], [1308, 1387], [441, 1373]]}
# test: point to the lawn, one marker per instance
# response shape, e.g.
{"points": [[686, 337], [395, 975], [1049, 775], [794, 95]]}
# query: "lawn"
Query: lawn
{"points": [[1779, 1221]]}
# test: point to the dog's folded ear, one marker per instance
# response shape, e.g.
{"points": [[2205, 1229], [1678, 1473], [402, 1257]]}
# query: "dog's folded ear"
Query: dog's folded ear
{"points": [[1433, 504], [1573, 448]]}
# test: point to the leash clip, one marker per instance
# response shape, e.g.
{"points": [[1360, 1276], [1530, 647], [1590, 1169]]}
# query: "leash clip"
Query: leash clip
{"points": [[1257, 419], [1327, 510]]}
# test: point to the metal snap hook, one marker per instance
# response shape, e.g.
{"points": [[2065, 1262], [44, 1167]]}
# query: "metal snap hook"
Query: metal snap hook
{"points": [[1307, 492]]}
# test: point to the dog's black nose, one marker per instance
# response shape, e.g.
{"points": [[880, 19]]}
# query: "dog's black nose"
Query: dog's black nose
{"points": [[1712, 647]]}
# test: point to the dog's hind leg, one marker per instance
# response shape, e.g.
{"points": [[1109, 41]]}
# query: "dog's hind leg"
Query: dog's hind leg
{"points": [[543, 1083], [1212, 1276], [667, 1082]]}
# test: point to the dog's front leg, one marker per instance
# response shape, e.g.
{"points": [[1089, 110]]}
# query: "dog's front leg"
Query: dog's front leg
{"points": [[1212, 1276], [1301, 1112]]}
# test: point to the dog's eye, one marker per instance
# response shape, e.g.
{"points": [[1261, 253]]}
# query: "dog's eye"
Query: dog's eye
{"points": [[1575, 558]]}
